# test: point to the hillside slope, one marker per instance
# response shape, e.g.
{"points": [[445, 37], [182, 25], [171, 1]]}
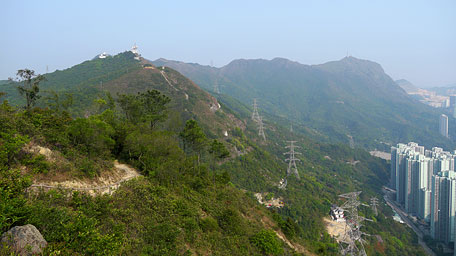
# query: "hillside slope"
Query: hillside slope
{"points": [[179, 206], [406, 85], [122, 74], [190, 184], [348, 97]]}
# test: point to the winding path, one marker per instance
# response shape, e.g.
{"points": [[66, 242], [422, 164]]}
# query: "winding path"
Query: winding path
{"points": [[126, 173]]}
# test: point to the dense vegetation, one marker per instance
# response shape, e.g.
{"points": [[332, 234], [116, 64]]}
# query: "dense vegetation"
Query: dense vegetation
{"points": [[326, 171], [83, 82], [347, 97], [189, 200], [180, 206]]}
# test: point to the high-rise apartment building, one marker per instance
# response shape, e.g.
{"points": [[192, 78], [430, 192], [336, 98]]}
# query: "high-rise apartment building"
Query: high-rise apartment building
{"points": [[443, 125], [443, 206], [425, 184]]}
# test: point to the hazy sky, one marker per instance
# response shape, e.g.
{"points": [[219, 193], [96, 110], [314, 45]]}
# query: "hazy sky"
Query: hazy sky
{"points": [[415, 40]]}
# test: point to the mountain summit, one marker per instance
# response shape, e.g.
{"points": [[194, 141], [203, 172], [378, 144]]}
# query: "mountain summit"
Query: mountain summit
{"points": [[335, 100]]}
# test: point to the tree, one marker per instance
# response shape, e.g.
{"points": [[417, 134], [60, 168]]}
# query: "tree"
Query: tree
{"points": [[218, 149], [149, 107], [131, 107], [59, 102], [28, 85], [194, 138], [154, 105], [92, 135]]}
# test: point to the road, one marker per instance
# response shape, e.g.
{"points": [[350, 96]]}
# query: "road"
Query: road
{"points": [[409, 223]]}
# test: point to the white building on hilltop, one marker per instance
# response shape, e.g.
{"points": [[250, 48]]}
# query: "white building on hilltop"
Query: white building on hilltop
{"points": [[134, 50], [103, 55]]}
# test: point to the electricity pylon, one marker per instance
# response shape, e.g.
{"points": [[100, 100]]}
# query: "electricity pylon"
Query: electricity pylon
{"points": [[353, 234], [216, 87], [255, 115], [374, 203], [351, 141], [292, 159], [261, 128], [257, 118]]}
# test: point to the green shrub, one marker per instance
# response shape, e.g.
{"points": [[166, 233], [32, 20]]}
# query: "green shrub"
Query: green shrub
{"points": [[230, 221], [267, 242], [38, 164], [92, 135], [161, 239], [87, 167], [269, 196], [208, 224]]}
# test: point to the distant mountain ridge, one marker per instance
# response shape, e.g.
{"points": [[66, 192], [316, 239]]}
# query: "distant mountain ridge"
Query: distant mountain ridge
{"points": [[445, 90], [347, 97], [406, 85]]}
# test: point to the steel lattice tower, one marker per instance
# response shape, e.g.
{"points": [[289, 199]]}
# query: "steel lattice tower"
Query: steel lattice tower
{"points": [[374, 203], [216, 87], [257, 118], [261, 128], [255, 114], [353, 234], [351, 141], [292, 159]]}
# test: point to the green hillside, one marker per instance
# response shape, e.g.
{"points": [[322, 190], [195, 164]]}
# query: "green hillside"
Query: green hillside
{"points": [[84, 81], [347, 97], [406, 85], [196, 196], [179, 207], [326, 171], [94, 79]]}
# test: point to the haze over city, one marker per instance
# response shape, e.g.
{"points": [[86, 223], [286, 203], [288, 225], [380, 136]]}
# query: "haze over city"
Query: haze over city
{"points": [[414, 40]]}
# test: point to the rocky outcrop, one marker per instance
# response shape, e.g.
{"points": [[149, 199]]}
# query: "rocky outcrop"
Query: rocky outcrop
{"points": [[23, 240]]}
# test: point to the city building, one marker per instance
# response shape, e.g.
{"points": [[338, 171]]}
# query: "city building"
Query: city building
{"points": [[425, 183], [454, 111], [452, 100], [443, 125], [443, 206]]}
